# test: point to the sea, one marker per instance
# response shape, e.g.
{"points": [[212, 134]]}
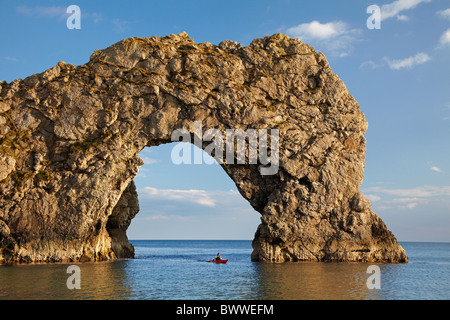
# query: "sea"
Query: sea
{"points": [[177, 270]]}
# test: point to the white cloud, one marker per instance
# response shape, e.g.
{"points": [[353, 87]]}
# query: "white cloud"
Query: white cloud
{"points": [[335, 37], [418, 192], [444, 13], [45, 12], [171, 217], [11, 59], [148, 160], [401, 204], [409, 62], [402, 18], [436, 169], [120, 26], [200, 197], [445, 38], [58, 12], [392, 10], [317, 30], [411, 205], [408, 198], [373, 197], [397, 64], [371, 65]]}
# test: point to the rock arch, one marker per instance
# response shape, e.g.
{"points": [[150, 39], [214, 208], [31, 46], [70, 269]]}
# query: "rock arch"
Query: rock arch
{"points": [[70, 139]]}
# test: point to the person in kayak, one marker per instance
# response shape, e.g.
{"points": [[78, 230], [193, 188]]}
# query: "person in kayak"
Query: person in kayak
{"points": [[218, 257]]}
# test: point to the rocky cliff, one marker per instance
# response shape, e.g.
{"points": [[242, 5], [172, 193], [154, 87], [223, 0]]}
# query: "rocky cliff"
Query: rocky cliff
{"points": [[70, 138]]}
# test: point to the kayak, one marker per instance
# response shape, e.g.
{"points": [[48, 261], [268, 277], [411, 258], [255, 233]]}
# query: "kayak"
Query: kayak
{"points": [[218, 261]]}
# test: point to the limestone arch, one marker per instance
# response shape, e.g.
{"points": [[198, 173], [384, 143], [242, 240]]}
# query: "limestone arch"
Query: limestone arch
{"points": [[71, 136]]}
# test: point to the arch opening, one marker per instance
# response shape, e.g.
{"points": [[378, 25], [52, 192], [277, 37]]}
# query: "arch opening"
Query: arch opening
{"points": [[168, 200], [189, 194]]}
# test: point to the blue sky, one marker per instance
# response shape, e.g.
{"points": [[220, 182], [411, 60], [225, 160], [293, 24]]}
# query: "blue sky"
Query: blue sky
{"points": [[399, 74]]}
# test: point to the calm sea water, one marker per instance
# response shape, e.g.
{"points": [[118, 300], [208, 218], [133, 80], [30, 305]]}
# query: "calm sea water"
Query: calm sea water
{"points": [[177, 270]]}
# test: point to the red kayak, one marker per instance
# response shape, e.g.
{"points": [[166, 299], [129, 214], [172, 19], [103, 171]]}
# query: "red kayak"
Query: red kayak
{"points": [[218, 261]]}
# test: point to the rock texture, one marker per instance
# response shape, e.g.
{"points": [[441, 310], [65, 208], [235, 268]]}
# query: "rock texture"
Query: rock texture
{"points": [[70, 138]]}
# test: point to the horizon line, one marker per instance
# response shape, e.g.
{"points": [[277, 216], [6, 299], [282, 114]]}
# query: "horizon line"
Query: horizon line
{"points": [[400, 241]]}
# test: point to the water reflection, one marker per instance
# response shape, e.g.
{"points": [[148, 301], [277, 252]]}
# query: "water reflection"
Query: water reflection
{"points": [[305, 281], [99, 281], [180, 272], [134, 279]]}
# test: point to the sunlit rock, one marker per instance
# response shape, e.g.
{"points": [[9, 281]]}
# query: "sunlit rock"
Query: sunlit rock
{"points": [[70, 139]]}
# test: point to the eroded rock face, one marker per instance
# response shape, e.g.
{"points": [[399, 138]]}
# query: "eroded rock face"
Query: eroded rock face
{"points": [[70, 139]]}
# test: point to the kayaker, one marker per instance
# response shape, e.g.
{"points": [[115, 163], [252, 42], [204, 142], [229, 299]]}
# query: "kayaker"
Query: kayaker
{"points": [[218, 257]]}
